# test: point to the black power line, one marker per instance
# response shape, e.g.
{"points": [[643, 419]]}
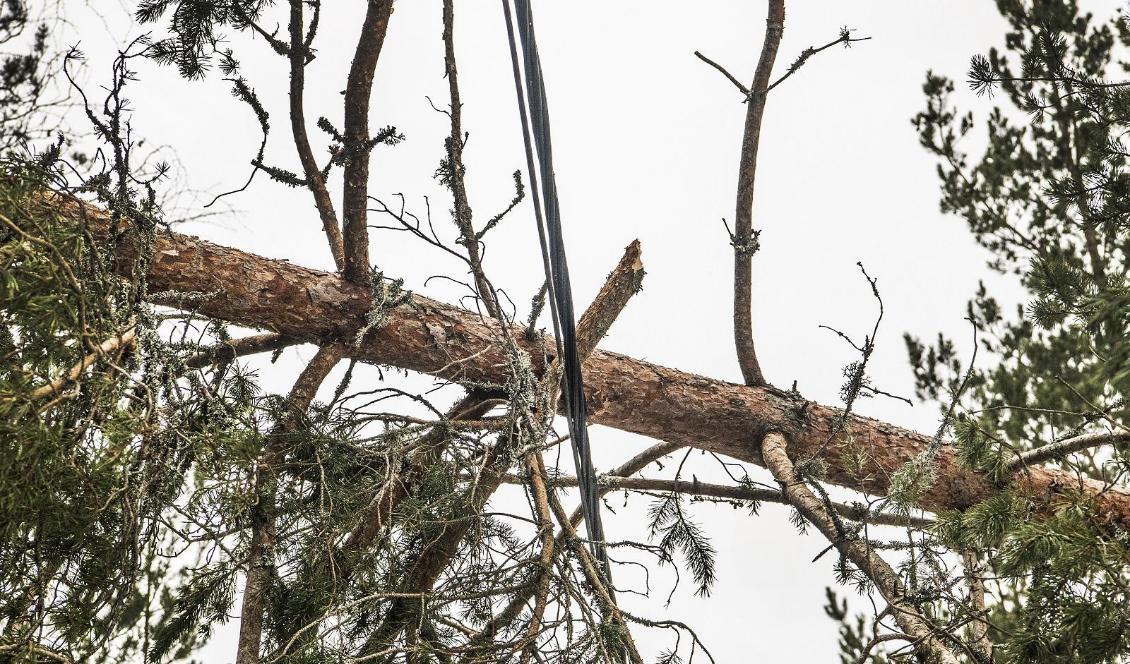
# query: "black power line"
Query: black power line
{"points": [[536, 134]]}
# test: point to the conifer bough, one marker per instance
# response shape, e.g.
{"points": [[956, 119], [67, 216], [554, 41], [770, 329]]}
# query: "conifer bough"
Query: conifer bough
{"points": [[666, 404]]}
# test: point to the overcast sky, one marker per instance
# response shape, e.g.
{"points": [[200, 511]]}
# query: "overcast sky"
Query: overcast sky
{"points": [[646, 146]]}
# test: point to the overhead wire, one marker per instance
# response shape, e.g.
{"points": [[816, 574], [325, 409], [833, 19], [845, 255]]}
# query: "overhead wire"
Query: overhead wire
{"points": [[530, 90]]}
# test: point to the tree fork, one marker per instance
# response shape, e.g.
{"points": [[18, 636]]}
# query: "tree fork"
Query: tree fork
{"points": [[622, 392]]}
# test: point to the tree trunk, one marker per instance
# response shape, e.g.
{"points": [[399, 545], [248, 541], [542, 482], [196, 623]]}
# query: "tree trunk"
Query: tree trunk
{"points": [[624, 393]]}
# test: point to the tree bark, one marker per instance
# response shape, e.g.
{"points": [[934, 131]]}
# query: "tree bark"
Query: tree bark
{"points": [[358, 89], [622, 392], [260, 562], [314, 179], [743, 214]]}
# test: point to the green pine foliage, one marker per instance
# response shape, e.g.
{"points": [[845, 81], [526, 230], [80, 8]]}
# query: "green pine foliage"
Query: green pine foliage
{"points": [[63, 505], [25, 67], [855, 632], [1045, 197], [1040, 180], [677, 532]]}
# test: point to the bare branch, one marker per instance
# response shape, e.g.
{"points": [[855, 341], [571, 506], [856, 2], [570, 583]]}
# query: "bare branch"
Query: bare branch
{"points": [[625, 281], [1062, 448], [260, 561], [538, 483], [322, 200], [744, 239], [226, 351], [727, 74], [356, 133], [980, 621], [607, 483], [456, 170], [926, 636], [865, 653], [845, 38], [108, 346]]}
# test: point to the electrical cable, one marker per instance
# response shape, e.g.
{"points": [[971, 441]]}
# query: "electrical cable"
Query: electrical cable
{"points": [[536, 134]]}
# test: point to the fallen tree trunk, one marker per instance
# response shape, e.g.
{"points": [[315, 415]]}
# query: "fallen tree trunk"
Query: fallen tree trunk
{"points": [[622, 392]]}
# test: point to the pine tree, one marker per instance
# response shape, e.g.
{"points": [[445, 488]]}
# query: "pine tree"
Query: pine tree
{"points": [[150, 488], [1047, 196], [25, 68]]}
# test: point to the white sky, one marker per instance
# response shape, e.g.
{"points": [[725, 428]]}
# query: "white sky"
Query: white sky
{"points": [[646, 144]]}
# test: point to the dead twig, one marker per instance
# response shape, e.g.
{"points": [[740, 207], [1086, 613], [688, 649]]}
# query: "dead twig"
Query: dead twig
{"points": [[108, 346]]}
